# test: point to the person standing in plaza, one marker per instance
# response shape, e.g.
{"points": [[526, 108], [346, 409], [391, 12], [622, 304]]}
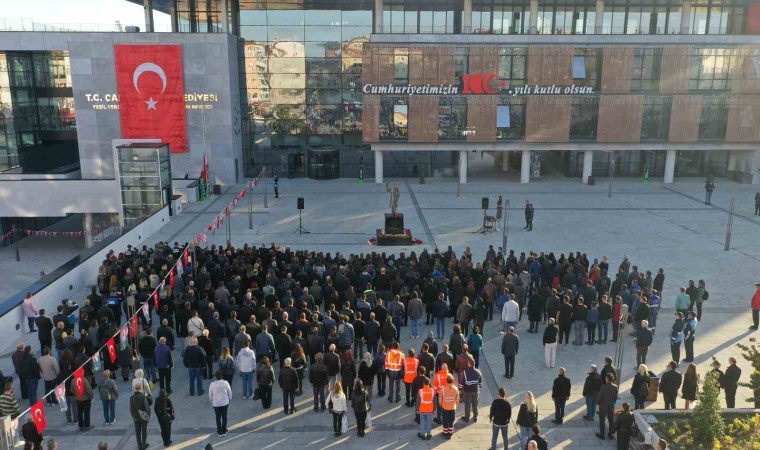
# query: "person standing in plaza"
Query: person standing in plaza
{"points": [[470, 383], [139, 409], [449, 400], [527, 416], [689, 333], [475, 343], [415, 311], [264, 382], [439, 310], [579, 321], [109, 393], [510, 345], [640, 386], [165, 364], [499, 210], [393, 362], [195, 360], [50, 371], [560, 395], [565, 319], [624, 427], [246, 365], [30, 369], [30, 311], [676, 337], [682, 302], [410, 372], [425, 410], [276, 184], [550, 343], [709, 188], [288, 381], [165, 414], [529, 212], [338, 406], [644, 338], [464, 315], [690, 385], [361, 406], [702, 296], [606, 399], [500, 415], [318, 378], [616, 317], [220, 396], [605, 314], [659, 281], [591, 388], [670, 382], [510, 313], [731, 382], [755, 305], [44, 330]]}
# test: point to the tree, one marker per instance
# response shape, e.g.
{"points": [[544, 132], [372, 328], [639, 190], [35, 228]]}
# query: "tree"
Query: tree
{"points": [[751, 353], [708, 423]]}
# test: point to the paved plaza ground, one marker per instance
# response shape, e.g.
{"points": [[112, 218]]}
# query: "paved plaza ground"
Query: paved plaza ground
{"points": [[658, 225]]}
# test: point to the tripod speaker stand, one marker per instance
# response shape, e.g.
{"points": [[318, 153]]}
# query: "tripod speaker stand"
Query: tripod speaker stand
{"points": [[300, 230], [486, 228]]}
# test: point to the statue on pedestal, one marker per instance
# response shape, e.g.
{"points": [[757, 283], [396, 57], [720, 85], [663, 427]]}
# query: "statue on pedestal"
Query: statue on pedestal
{"points": [[393, 189]]}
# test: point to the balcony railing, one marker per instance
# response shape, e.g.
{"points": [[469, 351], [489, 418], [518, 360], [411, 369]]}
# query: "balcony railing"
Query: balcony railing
{"points": [[31, 25]]}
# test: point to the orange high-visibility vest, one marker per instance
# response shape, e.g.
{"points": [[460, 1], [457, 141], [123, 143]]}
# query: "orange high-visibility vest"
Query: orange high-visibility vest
{"points": [[448, 397], [426, 400], [440, 379], [410, 369], [393, 360]]}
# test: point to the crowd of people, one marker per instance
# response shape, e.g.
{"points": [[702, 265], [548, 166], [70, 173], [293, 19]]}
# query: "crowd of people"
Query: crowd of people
{"points": [[279, 319]]}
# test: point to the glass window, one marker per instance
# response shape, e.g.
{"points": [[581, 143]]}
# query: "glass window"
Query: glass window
{"points": [[322, 17], [393, 118], [512, 67], [292, 17], [286, 33], [401, 65], [461, 62], [655, 123], [646, 69], [357, 18], [713, 68], [579, 67], [452, 118], [323, 33], [583, 117], [516, 128], [714, 118]]}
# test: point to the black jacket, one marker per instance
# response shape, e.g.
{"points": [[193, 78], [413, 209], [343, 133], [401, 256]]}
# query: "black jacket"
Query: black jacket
{"points": [[670, 382], [526, 418], [541, 443], [288, 379], [592, 384], [332, 361], [265, 376], [195, 357], [608, 369], [561, 388], [440, 309], [731, 378], [318, 374], [31, 435], [501, 412], [550, 334]]}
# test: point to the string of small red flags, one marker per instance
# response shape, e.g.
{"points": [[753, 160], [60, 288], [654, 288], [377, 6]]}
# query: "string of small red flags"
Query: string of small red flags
{"points": [[225, 213], [131, 326]]}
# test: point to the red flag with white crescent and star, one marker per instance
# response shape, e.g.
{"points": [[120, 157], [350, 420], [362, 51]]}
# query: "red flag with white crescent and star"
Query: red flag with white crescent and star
{"points": [[155, 301], [60, 391], [151, 91], [134, 326], [79, 381], [38, 415], [111, 345], [171, 278]]}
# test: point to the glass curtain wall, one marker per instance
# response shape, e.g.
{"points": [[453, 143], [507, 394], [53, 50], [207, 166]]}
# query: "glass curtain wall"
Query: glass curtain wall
{"points": [[566, 17], [37, 115], [418, 16], [301, 69], [641, 17], [500, 17]]}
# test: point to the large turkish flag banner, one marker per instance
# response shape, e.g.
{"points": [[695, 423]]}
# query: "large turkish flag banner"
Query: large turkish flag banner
{"points": [[152, 93]]}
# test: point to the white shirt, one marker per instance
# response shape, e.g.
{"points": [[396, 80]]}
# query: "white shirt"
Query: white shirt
{"points": [[220, 393], [339, 402], [195, 325], [510, 312], [246, 360]]}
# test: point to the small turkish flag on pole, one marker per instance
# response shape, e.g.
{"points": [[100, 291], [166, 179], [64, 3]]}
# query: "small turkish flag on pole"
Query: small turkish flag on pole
{"points": [[111, 350], [155, 301], [133, 326], [123, 332], [38, 414], [79, 381], [171, 278]]}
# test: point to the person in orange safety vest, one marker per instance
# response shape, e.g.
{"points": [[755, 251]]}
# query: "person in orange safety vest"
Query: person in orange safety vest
{"points": [[410, 372], [448, 398], [439, 380], [394, 361], [425, 409]]}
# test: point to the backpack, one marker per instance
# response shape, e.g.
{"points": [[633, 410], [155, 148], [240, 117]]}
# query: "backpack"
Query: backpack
{"points": [[705, 296]]}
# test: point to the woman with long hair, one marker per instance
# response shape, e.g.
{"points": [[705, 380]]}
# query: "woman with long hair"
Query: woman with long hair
{"points": [[640, 387], [337, 404], [527, 417], [348, 372], [298, 362], [227, 365], [689, 386], [361, 406]]}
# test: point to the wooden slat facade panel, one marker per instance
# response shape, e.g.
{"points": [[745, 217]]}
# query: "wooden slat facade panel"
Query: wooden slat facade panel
{"points": [[550, 64], [370, 118], [481, 118], [619, 118], [430, 118], [743, 119], [446, 65], [386, 74], [548, 119], [370, 64], [431, 65], [684, 118], [746, 79], [617, 67], [675, 69], [416, 65]]}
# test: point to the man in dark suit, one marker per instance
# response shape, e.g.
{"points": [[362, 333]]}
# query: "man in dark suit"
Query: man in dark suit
{"points": [[731, 381], [670, 382], [624, 427], [560, 395], [606, 399], [529, 215]]}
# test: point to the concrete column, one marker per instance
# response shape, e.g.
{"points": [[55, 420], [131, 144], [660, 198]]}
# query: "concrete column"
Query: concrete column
{"points": [[733, 159], [235, 17], [463, 166], [588, 165], [505, 161], [225, 16], [378, 167], [193, 16], [670, 166], [378, 16], [525, 167], [685, 16], [88, 227], [533, 28], [599, 17], [467, 19], [754, 167], [148, 6]]}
